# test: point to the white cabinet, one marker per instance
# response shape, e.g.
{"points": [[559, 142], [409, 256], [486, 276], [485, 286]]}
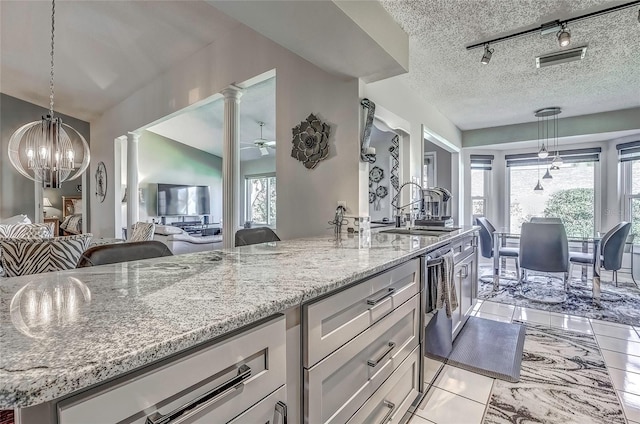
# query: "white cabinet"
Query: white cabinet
{"points": [[339, 384], [333, 321], [212, 384]]}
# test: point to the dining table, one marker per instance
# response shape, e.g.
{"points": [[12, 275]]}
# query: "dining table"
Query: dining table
{"points": [[500, 237]]}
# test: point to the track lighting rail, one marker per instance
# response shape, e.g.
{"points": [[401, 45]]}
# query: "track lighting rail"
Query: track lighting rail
{"points": [[545, 26]]}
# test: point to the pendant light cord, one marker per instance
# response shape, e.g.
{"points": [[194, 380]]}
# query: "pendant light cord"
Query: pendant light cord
{"points": [[53, 27]]}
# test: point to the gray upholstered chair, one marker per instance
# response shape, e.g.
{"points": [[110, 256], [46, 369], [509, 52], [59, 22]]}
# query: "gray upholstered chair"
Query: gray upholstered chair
{"points": [[544, 247], [122, 252], [257, 235], [612, 248], [545, 220], [486, 244]]}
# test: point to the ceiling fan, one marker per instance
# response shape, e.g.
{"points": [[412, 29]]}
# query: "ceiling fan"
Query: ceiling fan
{"points": [[261, 143]]}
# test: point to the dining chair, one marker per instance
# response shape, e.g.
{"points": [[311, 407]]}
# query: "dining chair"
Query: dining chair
{"points": [[612, 248], [248, 236], [545, 220], [544, 247], [486, 244], [122, 252]]}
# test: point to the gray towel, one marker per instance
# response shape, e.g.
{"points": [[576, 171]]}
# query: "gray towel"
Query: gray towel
{"points": [[446, 285]]}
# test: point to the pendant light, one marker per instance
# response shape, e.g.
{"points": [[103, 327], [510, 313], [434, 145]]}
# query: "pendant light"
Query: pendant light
{"points": [[538, 186], [547, 175], [544, 128], [42, 150]]}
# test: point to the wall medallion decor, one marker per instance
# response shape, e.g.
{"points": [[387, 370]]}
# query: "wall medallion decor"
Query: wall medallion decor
{"points": [[367, 153], [376, 175], [310, 141], [101, 181]]}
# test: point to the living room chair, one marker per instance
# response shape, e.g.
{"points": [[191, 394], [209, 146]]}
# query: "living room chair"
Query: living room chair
{"points": [[612, 249], [257, 235], [544, 247], [26, 256], [486, 245], [122, 252]]}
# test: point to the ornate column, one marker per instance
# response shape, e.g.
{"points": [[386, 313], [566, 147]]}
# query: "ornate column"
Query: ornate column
{"points": [[231, 165], [132, 181]]}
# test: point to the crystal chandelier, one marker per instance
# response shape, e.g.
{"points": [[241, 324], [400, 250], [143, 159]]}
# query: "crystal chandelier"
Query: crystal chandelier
{"points": [[42, 150]]}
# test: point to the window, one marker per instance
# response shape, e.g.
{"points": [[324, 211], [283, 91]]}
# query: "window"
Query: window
{"points": [[570, 194], [261, 199], [629, 157], [480, 174]]}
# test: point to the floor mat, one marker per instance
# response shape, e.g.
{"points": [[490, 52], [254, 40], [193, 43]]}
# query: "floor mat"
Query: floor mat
{"points": [[489, 348], [563, 380]]}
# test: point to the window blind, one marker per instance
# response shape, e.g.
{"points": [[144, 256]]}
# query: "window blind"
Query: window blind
{"points": [[628, 151], [568, 156], [483, 162]]}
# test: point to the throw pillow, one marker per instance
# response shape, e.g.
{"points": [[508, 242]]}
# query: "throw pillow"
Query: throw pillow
{"points": [[142, 231], [26, 230], [37, 255], [18, 219], [77, 206]]}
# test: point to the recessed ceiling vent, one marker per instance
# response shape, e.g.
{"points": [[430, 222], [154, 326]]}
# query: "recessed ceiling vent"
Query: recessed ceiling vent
{"points": [[564, 56]]}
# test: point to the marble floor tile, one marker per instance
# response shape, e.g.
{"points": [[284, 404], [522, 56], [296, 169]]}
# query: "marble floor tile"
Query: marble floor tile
{"points": [[618, 345], [631, 405], [599, 323], [442, 407], [625, 381], [571, 323], [618, 331], [532, 316], [417, 419], [465, 383], [477, 306], [497, 308], [500, 318], [621, 361]]}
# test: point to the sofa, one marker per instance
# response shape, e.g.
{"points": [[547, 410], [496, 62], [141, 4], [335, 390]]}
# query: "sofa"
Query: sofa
{"points": [[179, 241]]}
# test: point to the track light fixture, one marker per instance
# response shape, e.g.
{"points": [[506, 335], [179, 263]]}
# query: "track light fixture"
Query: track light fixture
{"points": [[486, 57], [564, 36]]}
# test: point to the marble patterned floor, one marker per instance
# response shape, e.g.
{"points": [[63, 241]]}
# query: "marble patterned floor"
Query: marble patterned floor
{"points": [[591, 365]]}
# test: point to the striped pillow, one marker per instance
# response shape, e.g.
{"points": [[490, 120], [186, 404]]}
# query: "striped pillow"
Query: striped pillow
{"points": [[38, 255], [143, 231], [26, 230]]}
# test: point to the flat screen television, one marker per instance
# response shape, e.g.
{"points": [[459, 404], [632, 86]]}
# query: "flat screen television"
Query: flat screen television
{"points": [[184, 200]]}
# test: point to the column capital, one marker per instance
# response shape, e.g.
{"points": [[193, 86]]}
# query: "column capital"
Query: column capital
{"points": [[232, 92]]}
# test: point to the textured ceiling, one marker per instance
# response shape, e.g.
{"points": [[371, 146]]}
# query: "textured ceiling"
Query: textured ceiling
{"points": [[202, 127], [105, 50], [510, 88]]}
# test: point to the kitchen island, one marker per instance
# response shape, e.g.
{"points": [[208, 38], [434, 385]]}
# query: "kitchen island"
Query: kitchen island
{"points": [[62, 333]]}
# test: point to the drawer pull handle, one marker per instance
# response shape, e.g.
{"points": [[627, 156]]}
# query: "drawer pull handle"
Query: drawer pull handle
{"points": [[392, 408], [374, 302], [374, 362], [281, 410], [212, 396]]}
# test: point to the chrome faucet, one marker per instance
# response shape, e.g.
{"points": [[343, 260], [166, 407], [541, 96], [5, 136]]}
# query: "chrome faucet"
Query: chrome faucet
{"points": [[394, 201]]}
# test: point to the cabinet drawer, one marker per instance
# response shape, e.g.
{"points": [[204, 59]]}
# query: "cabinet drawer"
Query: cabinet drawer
{"points": [[463, 248], [333, 321], [393, 399], [265, 412], [338, 385], [233, 375]]}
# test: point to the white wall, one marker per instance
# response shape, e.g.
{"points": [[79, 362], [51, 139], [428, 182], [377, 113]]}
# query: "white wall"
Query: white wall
{"points": [[306, 198]]}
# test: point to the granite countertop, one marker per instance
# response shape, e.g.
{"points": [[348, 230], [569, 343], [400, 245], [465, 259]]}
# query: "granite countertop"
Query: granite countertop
{"points": [[65, 331]]}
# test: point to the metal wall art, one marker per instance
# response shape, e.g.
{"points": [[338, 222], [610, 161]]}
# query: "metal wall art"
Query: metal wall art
{"points": [[367, 153], [101, 182], [376, 175], [395, 162], [310, 141]]}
